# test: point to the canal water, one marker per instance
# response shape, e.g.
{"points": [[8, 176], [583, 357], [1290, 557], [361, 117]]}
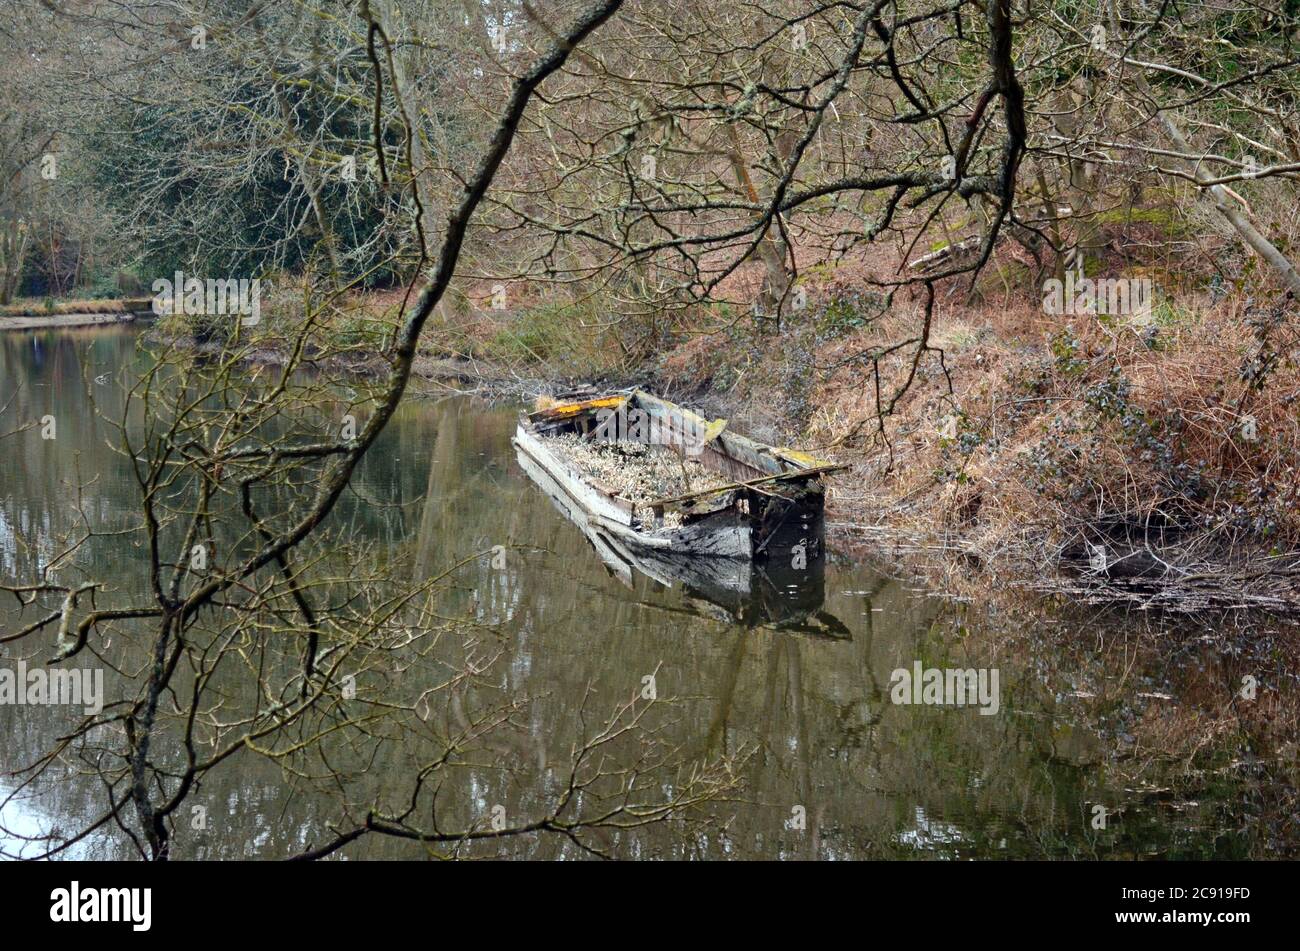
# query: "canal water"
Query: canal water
{"points": [[1110, 735]]}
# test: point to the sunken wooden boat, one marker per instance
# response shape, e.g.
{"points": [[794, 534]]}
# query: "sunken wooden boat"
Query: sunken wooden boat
{"points": [[767, 502]]}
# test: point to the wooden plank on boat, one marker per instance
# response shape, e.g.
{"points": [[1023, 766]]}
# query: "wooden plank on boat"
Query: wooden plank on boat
{"points": [[570, 410]]}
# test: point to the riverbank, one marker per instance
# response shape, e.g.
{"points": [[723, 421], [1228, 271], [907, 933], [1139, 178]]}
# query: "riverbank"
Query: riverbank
{"points": [[53, 315], [1155, 465], [58, 321]]}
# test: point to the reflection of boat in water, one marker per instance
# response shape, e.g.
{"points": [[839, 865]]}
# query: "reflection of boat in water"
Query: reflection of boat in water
{"points": [[783, 588], [768, 594]]}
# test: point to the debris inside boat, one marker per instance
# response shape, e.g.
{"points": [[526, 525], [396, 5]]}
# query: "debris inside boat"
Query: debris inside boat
{"points": [[637, 472], [650, 475]]}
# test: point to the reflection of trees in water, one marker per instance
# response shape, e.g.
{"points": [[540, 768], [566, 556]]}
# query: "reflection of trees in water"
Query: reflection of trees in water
{"points": [[875, 779], [47, 374]]}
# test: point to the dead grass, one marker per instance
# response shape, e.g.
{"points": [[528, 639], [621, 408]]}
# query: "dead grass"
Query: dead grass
{"points": [[1062, 436]]}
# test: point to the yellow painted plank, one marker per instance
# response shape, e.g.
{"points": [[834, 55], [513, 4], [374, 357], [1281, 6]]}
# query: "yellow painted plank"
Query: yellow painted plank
{"points": [[566, 410]]}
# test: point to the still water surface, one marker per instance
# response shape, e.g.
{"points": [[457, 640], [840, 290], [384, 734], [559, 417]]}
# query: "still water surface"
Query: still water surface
{"points": [[1094, 709]]}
